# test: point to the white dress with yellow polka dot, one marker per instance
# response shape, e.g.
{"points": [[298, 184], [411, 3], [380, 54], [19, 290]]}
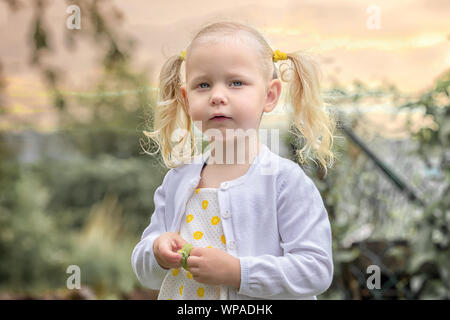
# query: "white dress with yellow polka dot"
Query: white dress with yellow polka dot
{"points": [[201, 226]]}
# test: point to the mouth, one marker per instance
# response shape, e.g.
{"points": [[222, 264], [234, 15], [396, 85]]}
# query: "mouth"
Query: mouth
{"points": [[220, 118]]}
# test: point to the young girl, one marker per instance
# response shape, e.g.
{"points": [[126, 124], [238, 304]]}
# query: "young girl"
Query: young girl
{"points": [[258, 227]]}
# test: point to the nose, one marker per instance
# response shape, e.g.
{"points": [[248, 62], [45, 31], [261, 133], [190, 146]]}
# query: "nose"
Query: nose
{"points": [[216, 98]]}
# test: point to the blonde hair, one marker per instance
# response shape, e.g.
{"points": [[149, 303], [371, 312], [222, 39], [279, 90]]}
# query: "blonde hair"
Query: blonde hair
{"points": [[315, 125]]}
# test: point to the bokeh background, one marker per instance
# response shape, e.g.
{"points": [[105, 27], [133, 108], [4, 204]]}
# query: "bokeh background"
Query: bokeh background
{"points": [[76, 187]]}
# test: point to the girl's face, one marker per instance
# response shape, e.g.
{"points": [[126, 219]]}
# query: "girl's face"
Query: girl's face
{"points": [[227, 79]]}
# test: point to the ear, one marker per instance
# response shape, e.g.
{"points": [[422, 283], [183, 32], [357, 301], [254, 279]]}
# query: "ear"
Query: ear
{"points": [[184, 94], [273, 94]]}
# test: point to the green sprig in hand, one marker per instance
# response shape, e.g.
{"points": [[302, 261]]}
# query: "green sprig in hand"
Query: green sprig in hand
{"points": [[185, 252]]}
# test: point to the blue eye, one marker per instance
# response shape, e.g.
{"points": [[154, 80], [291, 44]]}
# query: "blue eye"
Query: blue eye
{"points": [[204, 85]]}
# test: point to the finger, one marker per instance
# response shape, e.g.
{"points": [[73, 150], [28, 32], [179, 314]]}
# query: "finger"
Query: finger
{"points": [[197, 277], [169, 254], [194, 272], [173, 257], [174, 246], [196, 251], [193, 262], [166, 244], [179, 242]]}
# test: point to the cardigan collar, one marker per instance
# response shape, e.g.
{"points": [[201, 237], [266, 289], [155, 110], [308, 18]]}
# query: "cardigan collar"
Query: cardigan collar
{"points": [[190, 180], [260, 160]]}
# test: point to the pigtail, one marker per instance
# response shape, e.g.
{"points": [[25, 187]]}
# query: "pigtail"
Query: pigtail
{"points": [[310, 118], [171, 119]]}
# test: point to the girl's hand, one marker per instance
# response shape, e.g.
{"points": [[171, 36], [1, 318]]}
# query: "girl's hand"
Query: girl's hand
{"points": [[214, 266], [165, 249]]}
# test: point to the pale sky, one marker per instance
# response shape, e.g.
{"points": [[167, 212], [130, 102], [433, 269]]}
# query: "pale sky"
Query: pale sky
{"points": [[410, 48]]}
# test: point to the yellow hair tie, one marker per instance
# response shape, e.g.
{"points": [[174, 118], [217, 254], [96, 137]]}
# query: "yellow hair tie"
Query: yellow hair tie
{"points": [[183, 54], [278, 55]]}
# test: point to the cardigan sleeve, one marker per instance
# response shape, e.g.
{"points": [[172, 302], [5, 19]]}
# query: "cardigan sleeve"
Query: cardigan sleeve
{"points": [[306, 267], [148, 271]]}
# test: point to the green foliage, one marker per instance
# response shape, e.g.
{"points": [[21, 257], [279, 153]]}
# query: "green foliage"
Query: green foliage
{"points": [[32, 249], [425, 273], [84, 212], [102, 249], [87, 203], [79, 183], [185, 252], [431, 263]]}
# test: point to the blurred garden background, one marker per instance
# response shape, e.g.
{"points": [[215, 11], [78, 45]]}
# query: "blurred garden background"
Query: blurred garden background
{"points": [[76, 187]]}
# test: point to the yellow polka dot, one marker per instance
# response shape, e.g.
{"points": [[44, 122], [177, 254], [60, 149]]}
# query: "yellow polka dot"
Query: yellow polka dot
{"points": [[189, 275], [205, 204], [201, 292], [198, 235], [222, 238], [197, 190], [209, 247], [215, 220], [189, 218], [175, 272], [181, 290]]}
